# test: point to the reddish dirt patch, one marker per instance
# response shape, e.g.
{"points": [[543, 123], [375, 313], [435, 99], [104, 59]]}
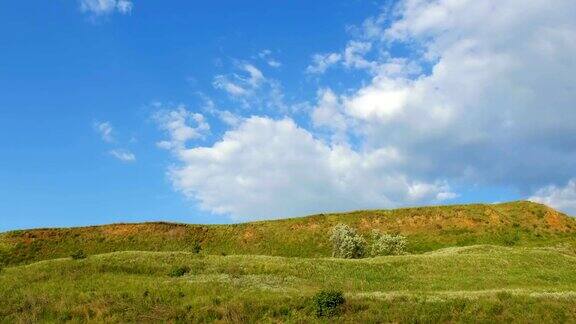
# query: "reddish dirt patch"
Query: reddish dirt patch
{"points": [[554, 220], [122, 230], [249, 235]]}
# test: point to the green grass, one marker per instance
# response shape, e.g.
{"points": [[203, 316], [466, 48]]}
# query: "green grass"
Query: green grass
{"points": [[427, 229], [511, 262], [479, 283]]}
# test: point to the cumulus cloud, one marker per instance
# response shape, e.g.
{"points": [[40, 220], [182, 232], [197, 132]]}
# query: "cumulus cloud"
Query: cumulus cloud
{"points": [[123, 155], [106, 7], [269, 168], [484, 96], [562, 198], [328, 114], [105, 130]]}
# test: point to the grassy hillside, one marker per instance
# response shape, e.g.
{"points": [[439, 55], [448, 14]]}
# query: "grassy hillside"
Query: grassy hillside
{"points": [[471, 284], [511, 262], [427, 228]]}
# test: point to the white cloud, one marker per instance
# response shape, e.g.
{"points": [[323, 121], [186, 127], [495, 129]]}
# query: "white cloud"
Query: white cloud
{"points": [[241, 85], [269, 168], [124, 6], [266, 55], [123, 155], [249, 87], [487, 95], [354, 55], [328, 114], [561, 198], [255, 76], [181, 126], [106, 7], [223, 82], [105, 130], [321, 62]]}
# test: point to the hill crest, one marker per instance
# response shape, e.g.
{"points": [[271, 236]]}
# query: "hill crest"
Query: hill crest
{"points": [[427, 228]]}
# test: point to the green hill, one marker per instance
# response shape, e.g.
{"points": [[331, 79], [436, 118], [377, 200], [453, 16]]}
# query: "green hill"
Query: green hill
{"points": [[427, 228], [510, 262]]}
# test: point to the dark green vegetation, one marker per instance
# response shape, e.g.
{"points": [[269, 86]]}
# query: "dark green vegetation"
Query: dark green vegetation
{"points": [[78, 255], [512, 262], [328, 302]]}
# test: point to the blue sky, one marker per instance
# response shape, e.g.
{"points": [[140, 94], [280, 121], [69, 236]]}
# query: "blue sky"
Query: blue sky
{"points": [[127, 111]]}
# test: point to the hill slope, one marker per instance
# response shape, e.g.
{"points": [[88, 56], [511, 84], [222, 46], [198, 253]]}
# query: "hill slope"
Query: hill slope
{"points": [[427, 228], [468, 284]]}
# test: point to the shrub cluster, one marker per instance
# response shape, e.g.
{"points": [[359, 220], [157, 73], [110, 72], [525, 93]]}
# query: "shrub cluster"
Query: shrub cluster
{"points": [[346, 243], [179, 271], [77, 255], [328, 302], [196, 247], [386, 244]]}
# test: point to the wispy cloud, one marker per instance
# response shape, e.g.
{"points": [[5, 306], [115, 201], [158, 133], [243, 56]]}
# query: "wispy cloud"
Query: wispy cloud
{"points": [[105, 130], [123, 155], [106, 7], [266, 55], [321, 62]]}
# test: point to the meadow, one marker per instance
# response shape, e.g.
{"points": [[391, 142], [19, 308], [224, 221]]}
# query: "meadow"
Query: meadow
{"points": [[511, 262]]}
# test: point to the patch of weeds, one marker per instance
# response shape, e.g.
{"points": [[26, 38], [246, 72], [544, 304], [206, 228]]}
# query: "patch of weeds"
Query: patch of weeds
{"points": [[504, 295], [196, 247], [78, 255], [179, 271], [511, 239], [328, 302]]}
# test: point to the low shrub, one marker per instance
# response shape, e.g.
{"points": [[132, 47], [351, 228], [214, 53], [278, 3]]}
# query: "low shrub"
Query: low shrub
{"points": [[386, 244], [510, 239], [328, 302], [77, 255], [346, 243], [179, 271], [196, 247]]}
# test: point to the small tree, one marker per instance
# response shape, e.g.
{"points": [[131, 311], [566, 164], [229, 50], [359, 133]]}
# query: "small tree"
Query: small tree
{"points": [[346, 243], [386, 244]]}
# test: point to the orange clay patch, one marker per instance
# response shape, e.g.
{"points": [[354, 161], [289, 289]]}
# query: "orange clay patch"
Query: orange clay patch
{"points": [[554, 220]]}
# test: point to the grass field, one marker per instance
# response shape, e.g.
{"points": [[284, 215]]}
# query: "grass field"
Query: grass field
{"points": [[478, 283], [512, 262]]}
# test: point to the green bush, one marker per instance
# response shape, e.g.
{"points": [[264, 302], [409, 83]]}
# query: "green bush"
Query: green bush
{"points": [[77, 255], [196, 247], [179, 271], [328, 302], [346, 243], [386, 244]]}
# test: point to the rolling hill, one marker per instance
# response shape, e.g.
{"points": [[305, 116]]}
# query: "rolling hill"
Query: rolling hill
{"points": [[510, 262], [519, 223]]}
